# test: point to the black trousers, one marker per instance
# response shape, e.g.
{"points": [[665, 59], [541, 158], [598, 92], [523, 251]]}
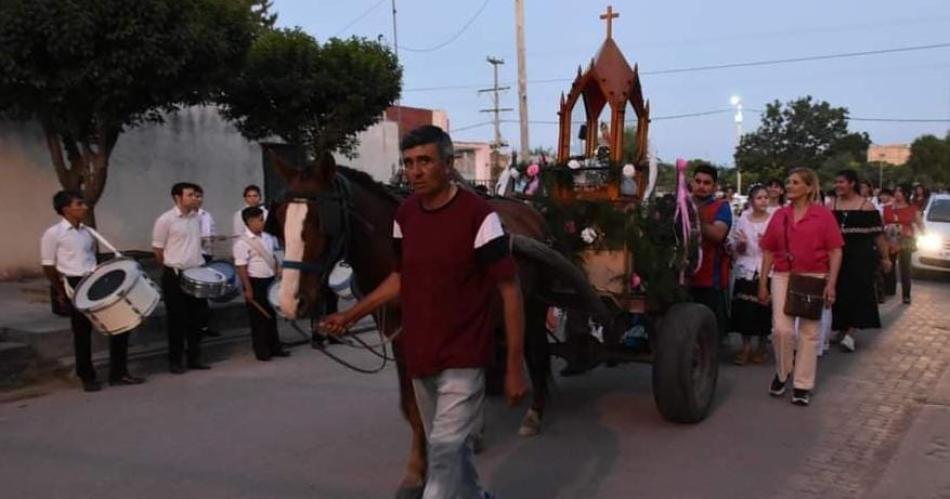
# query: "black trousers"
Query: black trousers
{"points": [[903, 263], [264, 337], [890, 278], [82, 344], [204, 317], [184, 316]]}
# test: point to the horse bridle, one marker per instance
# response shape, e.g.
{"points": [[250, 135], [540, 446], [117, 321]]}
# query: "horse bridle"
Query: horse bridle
{"points": [[334, 209]]}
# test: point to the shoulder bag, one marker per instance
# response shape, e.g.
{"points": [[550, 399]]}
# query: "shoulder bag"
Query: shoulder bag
{"points": [[805, 296]]}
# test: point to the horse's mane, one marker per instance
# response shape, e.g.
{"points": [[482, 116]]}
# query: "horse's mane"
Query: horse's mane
{"points": [[367, 182]]}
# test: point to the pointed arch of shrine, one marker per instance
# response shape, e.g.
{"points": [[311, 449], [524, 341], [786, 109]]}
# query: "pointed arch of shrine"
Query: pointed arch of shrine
{"points": [[608, 81]]}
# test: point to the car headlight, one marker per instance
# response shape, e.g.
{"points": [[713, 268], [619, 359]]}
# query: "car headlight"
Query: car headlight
{"points": [[929, 242]]}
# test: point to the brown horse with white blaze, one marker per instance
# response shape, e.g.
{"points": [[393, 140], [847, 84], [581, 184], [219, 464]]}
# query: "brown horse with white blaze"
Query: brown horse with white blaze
{"points": [[332, 213]]}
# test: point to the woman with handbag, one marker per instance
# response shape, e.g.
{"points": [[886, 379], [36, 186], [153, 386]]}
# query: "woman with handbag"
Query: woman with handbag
{"points": [[906, 216], [801, 249]]}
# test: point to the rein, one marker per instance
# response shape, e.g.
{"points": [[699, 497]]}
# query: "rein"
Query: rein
{"points": [[335, 211]]}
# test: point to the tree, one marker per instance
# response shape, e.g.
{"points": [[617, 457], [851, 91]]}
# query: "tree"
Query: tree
{"points": [[87, 70], [800, 133], [930, 160], [315, 96]]}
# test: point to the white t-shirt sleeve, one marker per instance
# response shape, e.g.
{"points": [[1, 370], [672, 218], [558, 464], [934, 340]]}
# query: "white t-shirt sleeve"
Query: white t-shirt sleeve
{"points": [[48, 248], [397, 230], [490, 230], [242, 253], [160, 232]]}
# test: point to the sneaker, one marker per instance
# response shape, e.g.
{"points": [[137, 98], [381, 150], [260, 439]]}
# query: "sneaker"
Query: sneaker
{"points": [[907, 300], [777, 388], [847, 343], [801, 397]]}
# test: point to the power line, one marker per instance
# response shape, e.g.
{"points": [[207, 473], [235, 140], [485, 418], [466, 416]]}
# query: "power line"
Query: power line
{"points": [[469, 127], [884, 120], [734, 65], [359, 18], [453, 37]]}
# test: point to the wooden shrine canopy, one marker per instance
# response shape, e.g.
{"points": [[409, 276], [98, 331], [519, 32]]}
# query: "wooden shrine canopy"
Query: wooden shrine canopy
{"points": [[609, 80]]}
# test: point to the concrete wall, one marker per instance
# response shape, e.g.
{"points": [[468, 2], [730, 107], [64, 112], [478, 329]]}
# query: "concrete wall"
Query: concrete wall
{"points": [[195, 145]]}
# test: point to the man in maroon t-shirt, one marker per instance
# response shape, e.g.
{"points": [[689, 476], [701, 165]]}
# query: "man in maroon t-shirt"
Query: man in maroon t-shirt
{"points": [[453, 257]]}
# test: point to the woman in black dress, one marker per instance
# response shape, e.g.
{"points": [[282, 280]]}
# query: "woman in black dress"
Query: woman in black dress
{"points": [[864, 250]]}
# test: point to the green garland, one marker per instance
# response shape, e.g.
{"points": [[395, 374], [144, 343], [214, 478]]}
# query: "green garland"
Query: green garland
{"points": [[648, 230]]}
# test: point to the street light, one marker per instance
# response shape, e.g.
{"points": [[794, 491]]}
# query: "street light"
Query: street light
{"points": [[736, 102]]}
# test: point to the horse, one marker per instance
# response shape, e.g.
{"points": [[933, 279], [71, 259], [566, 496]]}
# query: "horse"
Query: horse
{"points": [[333, 212]]}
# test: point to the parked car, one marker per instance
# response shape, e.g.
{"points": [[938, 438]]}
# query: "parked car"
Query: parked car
{"points": [[933, 245]]}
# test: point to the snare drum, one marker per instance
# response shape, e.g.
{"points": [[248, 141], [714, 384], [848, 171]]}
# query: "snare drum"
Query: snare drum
{"points": [[273, 296], [204, 282], [116, 296], [234, 287], [340, 280]]}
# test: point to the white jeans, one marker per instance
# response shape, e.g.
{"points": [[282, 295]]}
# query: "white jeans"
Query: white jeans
{"points": [[801, 360], [451, 407]]}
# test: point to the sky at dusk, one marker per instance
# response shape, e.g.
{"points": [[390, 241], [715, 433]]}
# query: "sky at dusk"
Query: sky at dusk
{"points": [[560, 35]]}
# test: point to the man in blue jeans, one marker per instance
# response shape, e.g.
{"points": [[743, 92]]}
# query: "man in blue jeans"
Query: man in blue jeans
{"points": [[453, 260]]}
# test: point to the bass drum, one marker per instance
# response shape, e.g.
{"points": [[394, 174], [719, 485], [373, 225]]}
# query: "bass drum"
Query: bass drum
{"points": [[116, 296]]}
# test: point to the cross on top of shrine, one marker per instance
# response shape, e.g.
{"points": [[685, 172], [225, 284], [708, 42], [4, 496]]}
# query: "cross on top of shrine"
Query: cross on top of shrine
{"points": [[609, 16]]}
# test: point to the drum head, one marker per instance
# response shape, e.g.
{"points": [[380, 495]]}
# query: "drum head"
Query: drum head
{"points": [[225, 268], [273, 296], [206, 275], [106, 282], [340, 276]]}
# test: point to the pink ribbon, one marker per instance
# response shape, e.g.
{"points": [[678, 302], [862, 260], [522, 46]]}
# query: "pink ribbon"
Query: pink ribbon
{"points": [[682, 207]]}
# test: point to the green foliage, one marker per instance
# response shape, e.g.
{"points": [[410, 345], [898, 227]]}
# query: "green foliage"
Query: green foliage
{"points": [[316, 96], [800, 133], [647, 230], [930, 160], [630, 149], [91, 68]]}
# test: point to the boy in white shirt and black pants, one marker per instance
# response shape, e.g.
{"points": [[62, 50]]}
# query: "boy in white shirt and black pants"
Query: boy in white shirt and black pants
{"points": [[257, 268], [68, 252], [176, 241]]}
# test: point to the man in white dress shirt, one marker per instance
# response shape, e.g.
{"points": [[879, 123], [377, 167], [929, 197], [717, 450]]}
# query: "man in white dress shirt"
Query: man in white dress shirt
{"points": [[176, 241], [256, 266], [252, 199], [68, 252]]}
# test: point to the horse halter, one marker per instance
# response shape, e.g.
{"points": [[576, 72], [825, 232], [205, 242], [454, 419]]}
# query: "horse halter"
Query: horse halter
{"points": [[333, 209]]}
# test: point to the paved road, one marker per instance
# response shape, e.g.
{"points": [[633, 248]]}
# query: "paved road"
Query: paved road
{"points": [[305, 427]]}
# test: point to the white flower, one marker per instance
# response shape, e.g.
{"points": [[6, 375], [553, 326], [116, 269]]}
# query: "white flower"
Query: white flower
{"points": [[573, 164], [589, 235], [629, 171]]}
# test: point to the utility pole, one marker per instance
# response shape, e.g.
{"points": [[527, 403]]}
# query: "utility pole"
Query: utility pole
{"points": [[522, 79], [736, 102], [496, 110]]}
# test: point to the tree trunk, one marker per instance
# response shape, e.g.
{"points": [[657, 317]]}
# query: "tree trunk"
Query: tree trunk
{"points": [[85, 165]]}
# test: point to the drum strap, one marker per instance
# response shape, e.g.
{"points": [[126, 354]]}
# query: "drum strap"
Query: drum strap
{"points": [[102, 240], [258, 248]]}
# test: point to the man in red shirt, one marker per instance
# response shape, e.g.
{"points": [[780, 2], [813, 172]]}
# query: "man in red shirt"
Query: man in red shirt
{"points": [[710, 284], [453, 258]]}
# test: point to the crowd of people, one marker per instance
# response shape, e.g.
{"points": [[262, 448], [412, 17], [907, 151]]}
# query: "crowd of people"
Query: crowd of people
{"points": [[792, 246], [182, 238]]}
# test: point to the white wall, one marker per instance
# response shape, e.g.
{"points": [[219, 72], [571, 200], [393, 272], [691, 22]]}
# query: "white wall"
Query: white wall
{"points": [[195, 145]]}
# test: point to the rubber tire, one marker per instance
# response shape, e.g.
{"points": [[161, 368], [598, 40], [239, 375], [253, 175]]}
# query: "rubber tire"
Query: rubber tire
{"points": [[686, 363]]}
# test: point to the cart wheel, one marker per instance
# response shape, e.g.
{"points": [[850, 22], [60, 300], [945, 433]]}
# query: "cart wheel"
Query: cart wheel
{"points": [[686, 363]]}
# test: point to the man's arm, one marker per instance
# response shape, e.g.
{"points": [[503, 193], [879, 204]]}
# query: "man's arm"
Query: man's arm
{"points": [[159, 256], [715, 232], [246, 282], [387, 291], [515, 384], [56, 280]]}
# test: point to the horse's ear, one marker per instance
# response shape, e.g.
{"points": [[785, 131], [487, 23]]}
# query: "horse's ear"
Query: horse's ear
{"points": [[326, 167], [284, 169]]}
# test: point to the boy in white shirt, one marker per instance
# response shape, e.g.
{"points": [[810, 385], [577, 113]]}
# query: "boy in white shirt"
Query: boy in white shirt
{"points": [[257, 268]]}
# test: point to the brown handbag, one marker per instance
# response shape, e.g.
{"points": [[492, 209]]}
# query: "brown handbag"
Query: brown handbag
{"points": [[805, 296]]}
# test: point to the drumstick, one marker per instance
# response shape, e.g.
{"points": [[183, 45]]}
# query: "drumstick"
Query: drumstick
{"points": [[259, 308]]}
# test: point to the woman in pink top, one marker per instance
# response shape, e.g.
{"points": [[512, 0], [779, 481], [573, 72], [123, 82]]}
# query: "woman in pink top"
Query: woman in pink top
{"points": [[802, 237]]}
